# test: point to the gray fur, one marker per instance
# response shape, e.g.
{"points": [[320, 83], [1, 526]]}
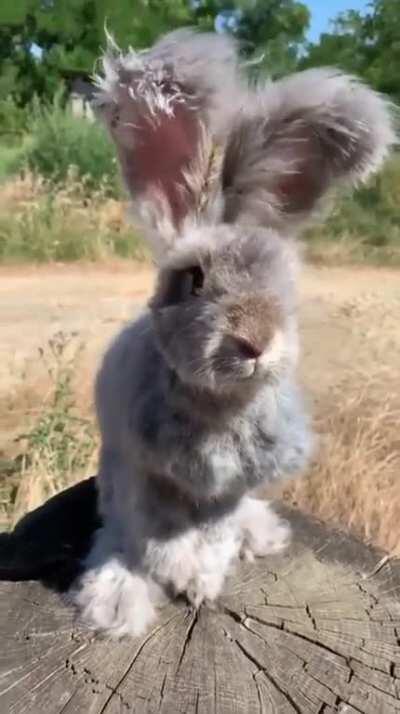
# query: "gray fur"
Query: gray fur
{"points": [[197, 401], [313, 130], [285, 144], [189, 404], [189, 428], [198, 70], [157, 104]]}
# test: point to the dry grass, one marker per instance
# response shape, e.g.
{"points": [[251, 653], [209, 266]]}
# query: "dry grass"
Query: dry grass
{"points": [[354, 480], [42, 222], [353, 483], [349, 250], [56, 444]]}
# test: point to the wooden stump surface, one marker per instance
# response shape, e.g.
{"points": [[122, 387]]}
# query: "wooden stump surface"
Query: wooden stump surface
{"points": [[311, 631]]}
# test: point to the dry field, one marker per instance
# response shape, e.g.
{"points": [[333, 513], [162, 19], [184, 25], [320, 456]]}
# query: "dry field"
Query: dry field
{"points": [[55, 321]]}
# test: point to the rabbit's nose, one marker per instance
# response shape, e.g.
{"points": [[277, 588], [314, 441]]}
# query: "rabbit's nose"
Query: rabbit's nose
{"points": [[248, 349]]}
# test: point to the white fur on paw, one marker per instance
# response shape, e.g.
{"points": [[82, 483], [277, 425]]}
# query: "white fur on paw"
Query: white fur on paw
{"points": [[218, 547], [196, 562], [205, 587], [174, 562], [264, 532], [112, 599]]}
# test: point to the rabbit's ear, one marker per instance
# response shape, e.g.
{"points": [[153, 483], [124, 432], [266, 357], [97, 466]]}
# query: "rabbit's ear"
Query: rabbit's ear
{"points": [[154, 103], [301, 136]]}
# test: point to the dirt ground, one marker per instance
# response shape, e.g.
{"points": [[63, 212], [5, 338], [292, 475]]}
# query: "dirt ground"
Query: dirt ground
{"points": [[349, 323], [350, 317]]}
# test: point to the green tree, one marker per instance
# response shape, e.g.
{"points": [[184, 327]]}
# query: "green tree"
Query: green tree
{"points": [[271, 29], [70, 34], [365, 44]]}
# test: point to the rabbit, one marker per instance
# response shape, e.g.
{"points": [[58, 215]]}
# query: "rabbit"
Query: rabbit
{"points": [[198, 407], [198, 400]]}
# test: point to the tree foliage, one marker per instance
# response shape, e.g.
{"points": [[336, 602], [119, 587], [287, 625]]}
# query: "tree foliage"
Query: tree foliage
{"points": [[43, 42], [366, 44], [70, 33]]}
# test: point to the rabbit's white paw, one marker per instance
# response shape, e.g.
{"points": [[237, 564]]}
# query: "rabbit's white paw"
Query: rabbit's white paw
{"points": [[264, 532], [206, 587], [195, 563], [112, 599]]}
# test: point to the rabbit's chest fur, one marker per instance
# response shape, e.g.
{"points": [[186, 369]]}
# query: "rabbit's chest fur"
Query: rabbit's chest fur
{"points": [[207, 454], [264, 441]]}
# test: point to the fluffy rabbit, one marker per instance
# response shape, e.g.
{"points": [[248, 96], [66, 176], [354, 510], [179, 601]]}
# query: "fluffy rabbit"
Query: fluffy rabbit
{"points": [[197, 400]]}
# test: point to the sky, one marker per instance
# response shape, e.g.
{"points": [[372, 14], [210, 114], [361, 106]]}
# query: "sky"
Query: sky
{"points": [[324, 10]]}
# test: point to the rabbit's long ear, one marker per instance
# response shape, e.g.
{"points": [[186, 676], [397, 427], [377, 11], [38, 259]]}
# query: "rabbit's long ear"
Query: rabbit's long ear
{"points": [[155, 103], [302, 135]]}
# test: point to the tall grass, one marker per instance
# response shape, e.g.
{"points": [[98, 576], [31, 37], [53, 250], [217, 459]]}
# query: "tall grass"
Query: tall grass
{"points": [[59, 446], [40, 222], [354, 480], [364, 225], [10, 153]]}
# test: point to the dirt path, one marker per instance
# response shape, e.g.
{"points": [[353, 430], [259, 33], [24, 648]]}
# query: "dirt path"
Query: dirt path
{"points": [[350, 321]]}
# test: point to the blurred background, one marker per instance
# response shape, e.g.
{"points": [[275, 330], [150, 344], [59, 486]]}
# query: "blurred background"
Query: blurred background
{"points": [[49, 49], [72, 270]]}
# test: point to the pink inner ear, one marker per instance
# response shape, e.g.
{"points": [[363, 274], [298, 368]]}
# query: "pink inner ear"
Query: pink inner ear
{"points": [[298, 191], [159, 153]]}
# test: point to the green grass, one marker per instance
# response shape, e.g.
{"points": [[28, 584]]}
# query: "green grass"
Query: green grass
{"points": [[10, 157], [364, 225], [78, 174], [41, 222], [55, 140]]}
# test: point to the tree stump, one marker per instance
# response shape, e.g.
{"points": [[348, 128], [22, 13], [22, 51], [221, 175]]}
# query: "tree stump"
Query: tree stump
{"points": [[313, 631]]}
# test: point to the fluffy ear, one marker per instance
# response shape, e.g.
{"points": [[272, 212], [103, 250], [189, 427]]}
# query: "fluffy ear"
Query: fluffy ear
{"points": [[301, 136], [155, 102]]}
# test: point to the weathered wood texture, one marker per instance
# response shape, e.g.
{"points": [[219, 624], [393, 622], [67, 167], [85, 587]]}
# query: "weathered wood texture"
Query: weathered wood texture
{"points": [[306, 632]]}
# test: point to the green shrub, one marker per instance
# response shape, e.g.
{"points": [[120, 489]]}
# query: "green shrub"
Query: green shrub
{"points": [[10, 158], [44, 222], [365, 223], [14, 119], [59, 140]]}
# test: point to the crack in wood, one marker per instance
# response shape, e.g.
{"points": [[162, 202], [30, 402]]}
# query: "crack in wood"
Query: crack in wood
{"points": [[162, 690], [260, 701], [62, 710], [334, 651], [310, 616], [187, 638], [268, 676], [286, 628], [97, 686], [154, 633], [378, 689], [244, 622], [37, 662]]}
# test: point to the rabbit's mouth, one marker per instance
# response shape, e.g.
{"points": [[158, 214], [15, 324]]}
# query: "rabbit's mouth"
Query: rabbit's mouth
{"points": [[241, 360]]}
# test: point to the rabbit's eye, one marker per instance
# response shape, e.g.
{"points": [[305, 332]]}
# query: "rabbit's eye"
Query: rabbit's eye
{"points": [[182, 284], [197, 279]]}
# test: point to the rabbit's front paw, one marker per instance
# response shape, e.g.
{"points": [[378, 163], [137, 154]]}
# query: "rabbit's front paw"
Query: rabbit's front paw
{"points": [[113, 600], [204, 588], [263, 531]]}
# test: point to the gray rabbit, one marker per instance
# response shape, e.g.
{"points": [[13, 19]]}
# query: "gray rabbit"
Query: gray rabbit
{"points": [[197, 401]]}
